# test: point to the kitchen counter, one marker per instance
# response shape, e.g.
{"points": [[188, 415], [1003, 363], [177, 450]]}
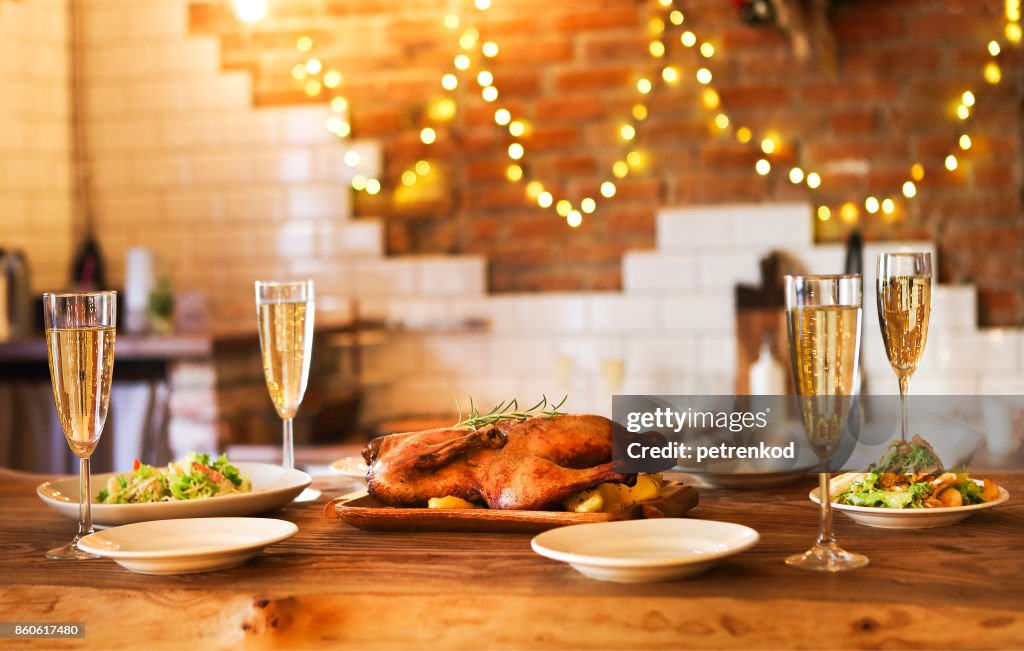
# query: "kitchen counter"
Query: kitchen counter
{"points": [[335, 586]]}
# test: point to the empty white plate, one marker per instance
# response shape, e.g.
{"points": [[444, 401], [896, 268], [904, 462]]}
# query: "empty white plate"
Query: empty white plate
{"points": [[353, 467], [186, 546], [638, 551], [272, 488]]}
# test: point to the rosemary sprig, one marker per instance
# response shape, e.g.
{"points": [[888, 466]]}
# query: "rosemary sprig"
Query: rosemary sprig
{"points": [[507, 411]]}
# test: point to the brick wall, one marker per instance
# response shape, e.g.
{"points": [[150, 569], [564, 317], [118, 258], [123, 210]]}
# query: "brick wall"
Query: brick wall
{"points": [[568, 68], [35, 137]]}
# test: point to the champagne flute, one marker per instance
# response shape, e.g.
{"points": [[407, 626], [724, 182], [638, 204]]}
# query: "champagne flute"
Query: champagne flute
{"points": [[823, 315], [80, 350], [284, 311], [904, 308]]}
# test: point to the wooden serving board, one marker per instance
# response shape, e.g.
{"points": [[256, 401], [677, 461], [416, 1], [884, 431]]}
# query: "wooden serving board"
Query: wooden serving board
{"points": [[361, 510]]}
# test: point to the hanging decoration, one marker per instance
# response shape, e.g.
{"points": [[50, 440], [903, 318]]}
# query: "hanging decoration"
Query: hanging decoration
{"points": [[475, 55]]}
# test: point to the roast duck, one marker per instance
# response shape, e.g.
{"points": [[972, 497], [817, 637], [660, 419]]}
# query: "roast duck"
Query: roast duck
{"points": [[531, 464]]}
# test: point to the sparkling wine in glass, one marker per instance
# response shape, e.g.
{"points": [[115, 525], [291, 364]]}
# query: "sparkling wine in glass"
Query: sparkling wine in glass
{"points": [[80, 350], [284, 312], [823, 315], [904, 307]]}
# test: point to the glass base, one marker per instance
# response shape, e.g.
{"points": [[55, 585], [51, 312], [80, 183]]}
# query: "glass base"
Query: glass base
{"points": [[828, 557], [69, 552], [308, 495]]}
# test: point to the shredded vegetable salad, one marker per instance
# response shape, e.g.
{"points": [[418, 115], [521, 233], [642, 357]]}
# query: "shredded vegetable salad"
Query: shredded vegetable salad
{"points": [[193, 478], [911, 476]]}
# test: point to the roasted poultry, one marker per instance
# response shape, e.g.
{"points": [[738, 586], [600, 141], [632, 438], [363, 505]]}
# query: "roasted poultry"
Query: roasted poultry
{"points": [[531, 464]]}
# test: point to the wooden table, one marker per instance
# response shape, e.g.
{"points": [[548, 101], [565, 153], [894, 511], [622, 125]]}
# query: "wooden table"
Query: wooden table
{"points": [[334, 586]]}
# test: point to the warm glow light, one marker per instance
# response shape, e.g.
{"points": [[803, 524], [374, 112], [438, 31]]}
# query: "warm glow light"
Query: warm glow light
{"points": [[422, 167], [813, 180], [339, 104], [515, 151], [534, 188], [251, 11], [644, 85], [563, 208], [963, 112], [359, 182], [909, 190], [451, 21], [704, 76], [743, 134], [670, 74], [607, 189], [467, 40], [849, 212], [871, 205], [968, 98], [888, 206], [334, 124], [992, 73], [449, 82], [443, 109], [314, 66], [657, 49], [304, 44], [762, 167], [951, 162], [574, 218], [484, 78], [517, 128], [722, 121], [707, 50], [768, 146], [299, 71], [656, 26], [313, 88], [688, 38], [373, 186], [627, 131], [332, 79], [514, 173], [676, 17], [462, 62], [634, 159], [639, 112], [709, 98], [489, 93], [917, 171], [482, 5], [824, 213], [993, 48], [502, 116], [1013, 32], [490, 49], [965, 142], [428, 136], [408, 177], [620, 169], [544, 199], [352, 158], [796, 175], [588, 205]]}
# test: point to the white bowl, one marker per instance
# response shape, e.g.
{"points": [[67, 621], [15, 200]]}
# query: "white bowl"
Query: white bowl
{"points": [[186, 546], [885, 518], [272, 488], [639, 551]]}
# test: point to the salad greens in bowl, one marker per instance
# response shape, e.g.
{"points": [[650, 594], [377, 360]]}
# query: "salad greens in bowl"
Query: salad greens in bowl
{"points": [[194, 477]]}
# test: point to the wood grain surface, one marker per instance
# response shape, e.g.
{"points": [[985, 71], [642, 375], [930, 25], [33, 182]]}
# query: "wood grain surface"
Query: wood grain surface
{"points": [[332, 585]]}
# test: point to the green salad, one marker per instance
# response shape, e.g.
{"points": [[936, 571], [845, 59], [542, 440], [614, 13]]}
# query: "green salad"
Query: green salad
{"points": [[193, 478]]}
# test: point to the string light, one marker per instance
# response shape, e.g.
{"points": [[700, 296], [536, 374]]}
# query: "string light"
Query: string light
{"points": [[763, 167], [824, 214], [951, 162], [965, 142], [796, 175], [428, 136], [872, 205]]}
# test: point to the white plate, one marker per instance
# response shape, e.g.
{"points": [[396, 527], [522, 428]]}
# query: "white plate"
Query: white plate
{"points": [[883, 518], [350, 467], [638, 551], [272, 488], [186, 546]]}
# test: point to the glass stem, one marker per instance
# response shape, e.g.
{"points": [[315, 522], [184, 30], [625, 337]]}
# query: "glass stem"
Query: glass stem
{"points": [[288, 455], [904, 408], [825, 536], [85, 499]]}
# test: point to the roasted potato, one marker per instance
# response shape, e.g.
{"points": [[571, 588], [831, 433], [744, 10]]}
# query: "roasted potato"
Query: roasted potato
{"points": [[607, 498], [990, 491], [450, 502]]}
